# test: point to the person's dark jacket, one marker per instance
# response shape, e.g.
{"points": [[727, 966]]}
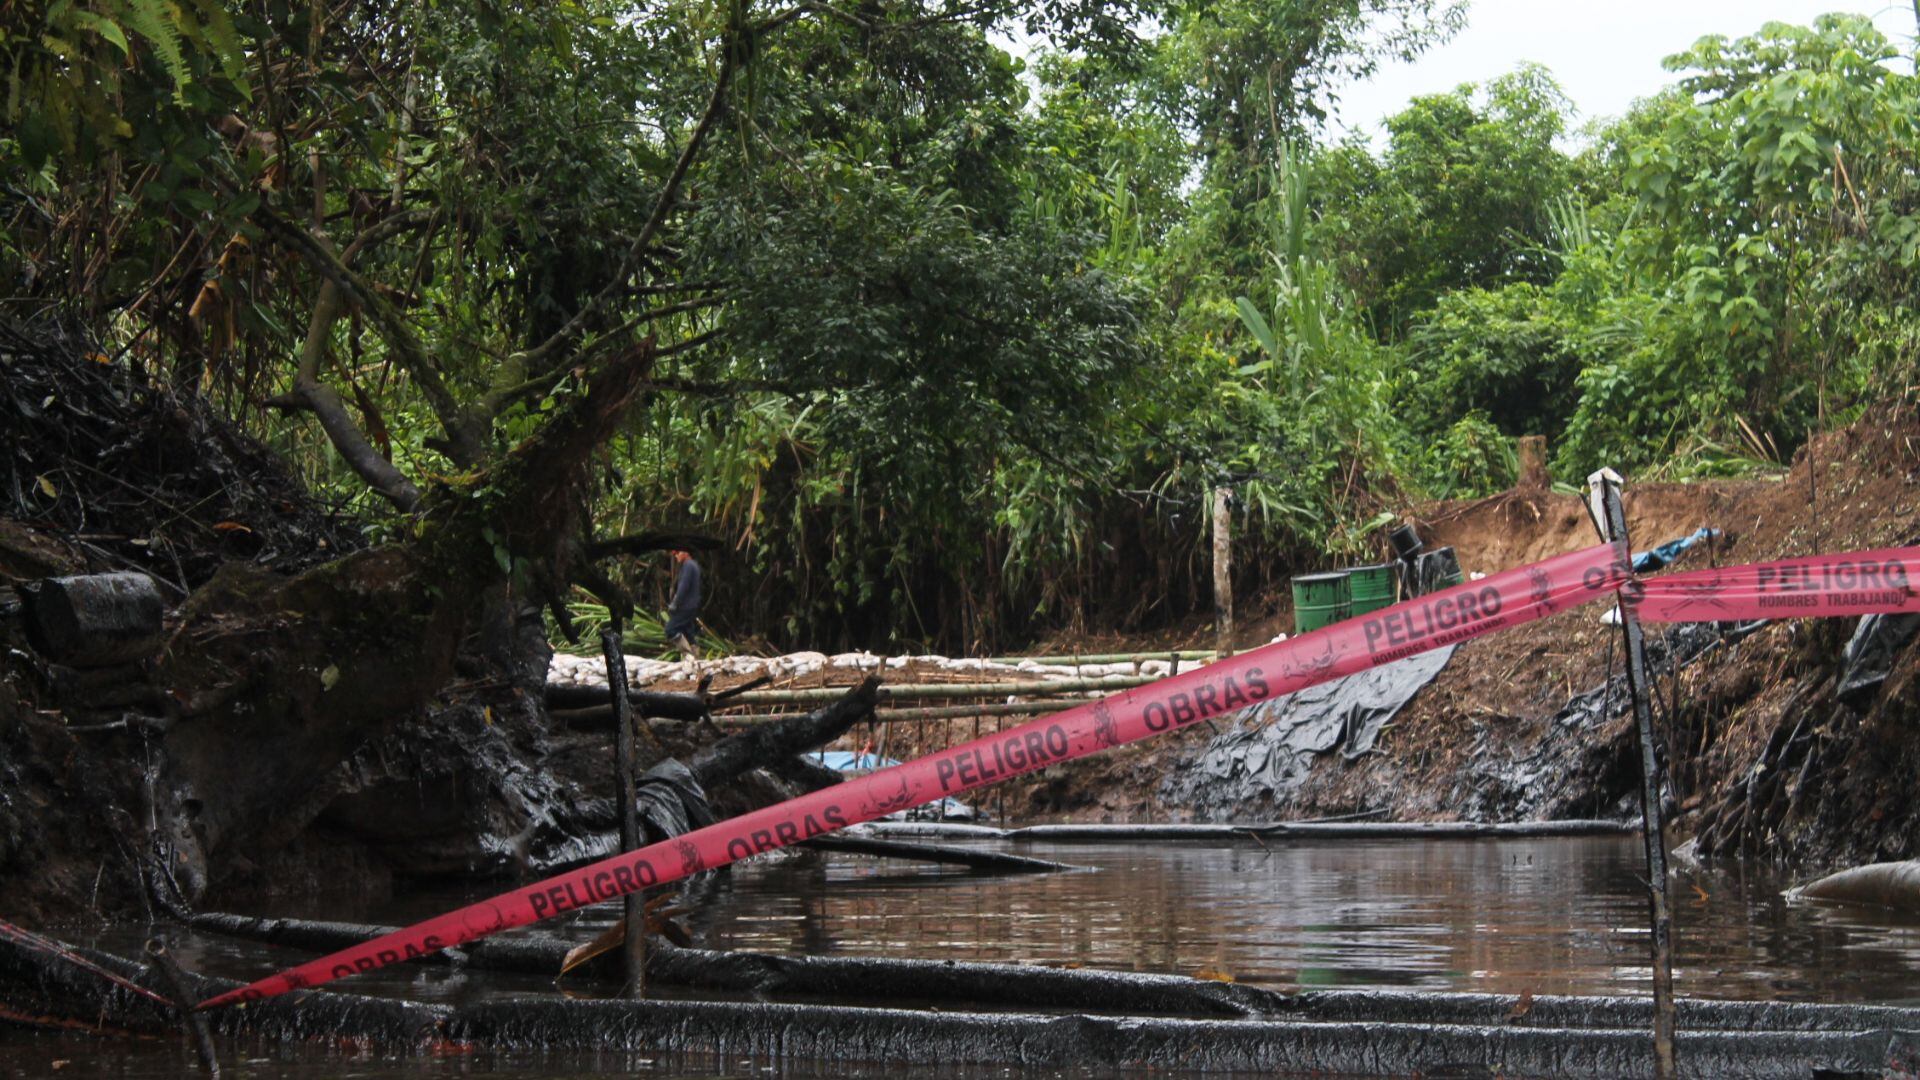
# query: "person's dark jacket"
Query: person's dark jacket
{"points": [[685, 605]]}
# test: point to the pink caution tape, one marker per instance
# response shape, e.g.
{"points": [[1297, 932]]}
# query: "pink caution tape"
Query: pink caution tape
{"points": [[1850, 583], [1428, 622]]}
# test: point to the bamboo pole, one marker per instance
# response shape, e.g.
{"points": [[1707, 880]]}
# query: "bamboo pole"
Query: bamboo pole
{"points": [[1077, 659], [938, 712], [1035, 688]]}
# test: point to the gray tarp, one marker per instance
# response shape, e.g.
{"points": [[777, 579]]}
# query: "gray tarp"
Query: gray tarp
{"points": [[1269, 748]]}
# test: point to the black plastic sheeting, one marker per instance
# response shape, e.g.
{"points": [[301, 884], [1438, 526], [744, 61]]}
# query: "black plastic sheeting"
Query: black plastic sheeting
{"points": [[1268, 751], [1869, 655], [671, 801]]}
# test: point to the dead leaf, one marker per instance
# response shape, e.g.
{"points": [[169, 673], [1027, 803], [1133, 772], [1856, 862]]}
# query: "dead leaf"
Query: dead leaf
{"points": [[659, 921], [230, 526], [46, 485], [329, 675], [1213, 975], [614, 937], [1521, 1007]]}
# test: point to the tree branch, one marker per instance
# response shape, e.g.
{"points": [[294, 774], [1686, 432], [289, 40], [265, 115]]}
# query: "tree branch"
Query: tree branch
{"points": [[386, 229], [464, 442], [648, 542], [540, 354], [310, 393], [688, 345], [496, 401]]}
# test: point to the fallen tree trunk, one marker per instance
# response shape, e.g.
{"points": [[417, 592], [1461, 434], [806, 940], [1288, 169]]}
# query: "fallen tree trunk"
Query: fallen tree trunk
{"points": [[91, 620], [1108, 658], [768, 743], [1861, 1041], [591, 707], [575, 703]]}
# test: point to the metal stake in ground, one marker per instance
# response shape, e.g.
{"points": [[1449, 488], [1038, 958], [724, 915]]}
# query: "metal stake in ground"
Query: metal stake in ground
{"points": [[634, 949], [1613, 527]]}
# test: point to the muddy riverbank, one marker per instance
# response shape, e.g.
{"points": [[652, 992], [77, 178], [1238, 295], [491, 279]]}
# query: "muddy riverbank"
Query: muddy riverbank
{"points": [[1765, 757]]}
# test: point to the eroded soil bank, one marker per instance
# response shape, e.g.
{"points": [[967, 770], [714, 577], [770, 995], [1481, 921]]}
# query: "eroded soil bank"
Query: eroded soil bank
{"points": [[1761, 755]]}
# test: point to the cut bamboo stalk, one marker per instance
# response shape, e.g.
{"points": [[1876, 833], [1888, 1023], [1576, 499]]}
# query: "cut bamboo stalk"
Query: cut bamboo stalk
{"points": [[1036, 688], [1104, 658], [937, 712]]}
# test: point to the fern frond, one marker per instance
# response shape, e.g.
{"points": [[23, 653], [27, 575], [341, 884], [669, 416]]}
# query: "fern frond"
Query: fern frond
{"points": [[223, 40], [158, 21]]}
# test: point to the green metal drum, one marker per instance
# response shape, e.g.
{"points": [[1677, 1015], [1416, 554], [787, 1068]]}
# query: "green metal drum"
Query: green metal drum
{"points": [[1371, 587], [1319, 600]]}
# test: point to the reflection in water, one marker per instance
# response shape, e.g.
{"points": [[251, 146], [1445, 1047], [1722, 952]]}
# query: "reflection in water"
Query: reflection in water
{"points": [[1551, 916]]}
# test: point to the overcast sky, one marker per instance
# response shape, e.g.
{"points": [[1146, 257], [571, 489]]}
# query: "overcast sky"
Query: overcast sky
{"points": [[1604, 55]]}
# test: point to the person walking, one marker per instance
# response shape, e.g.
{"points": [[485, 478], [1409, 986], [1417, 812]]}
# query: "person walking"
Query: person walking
{"points": [[683, 611]]}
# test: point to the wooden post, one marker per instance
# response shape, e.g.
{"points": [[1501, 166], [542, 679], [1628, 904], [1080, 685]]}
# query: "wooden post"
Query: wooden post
{"points": [[1533, 464], [194, 1022], [1222, 575], [1653, 826], [634, 949]]}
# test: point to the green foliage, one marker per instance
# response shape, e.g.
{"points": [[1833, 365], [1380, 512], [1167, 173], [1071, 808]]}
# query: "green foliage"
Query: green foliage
{"points": [[948, 350], [642, 634], [80, 74], [1777, 210], [1464, 196], [1473, 457]]}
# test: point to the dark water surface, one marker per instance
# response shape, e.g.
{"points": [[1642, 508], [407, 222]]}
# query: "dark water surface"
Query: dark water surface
{"points": [[1554, 916], [1550, 916]]}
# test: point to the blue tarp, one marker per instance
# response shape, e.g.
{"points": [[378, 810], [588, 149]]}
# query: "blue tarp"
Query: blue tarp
{"points": [[848, 761], [1669, 551]]}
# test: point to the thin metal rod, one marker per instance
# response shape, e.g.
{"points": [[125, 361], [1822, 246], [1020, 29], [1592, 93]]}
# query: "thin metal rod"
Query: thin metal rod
{"points": [[1653, 825]]}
